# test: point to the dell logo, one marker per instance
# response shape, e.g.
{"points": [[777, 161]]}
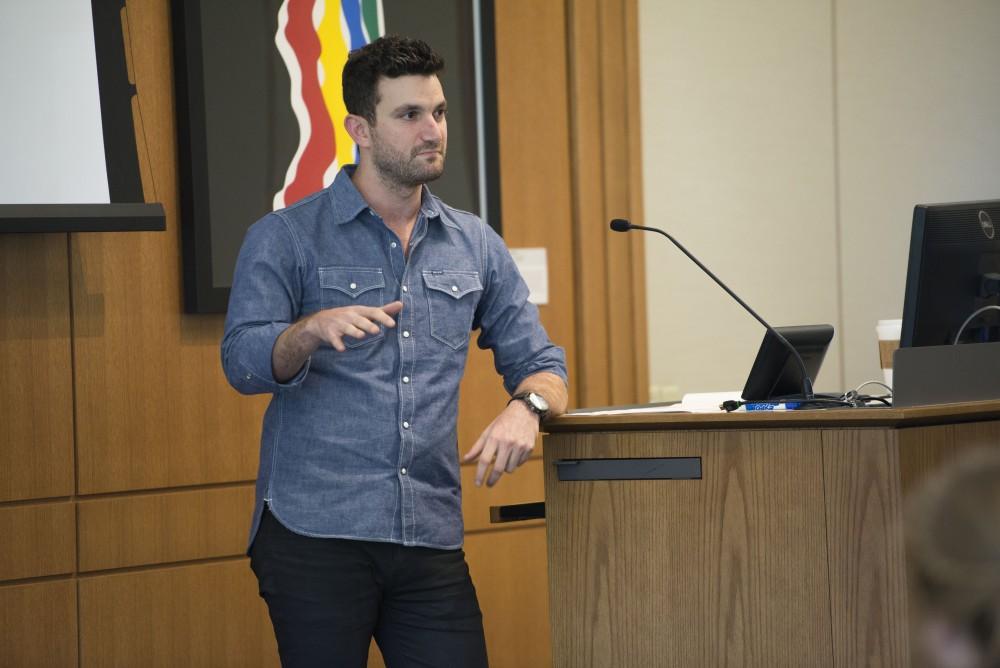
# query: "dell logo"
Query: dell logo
{"points": [[986, 224]]}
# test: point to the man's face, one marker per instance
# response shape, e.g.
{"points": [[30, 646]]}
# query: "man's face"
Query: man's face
{"points": [[410, 133]]}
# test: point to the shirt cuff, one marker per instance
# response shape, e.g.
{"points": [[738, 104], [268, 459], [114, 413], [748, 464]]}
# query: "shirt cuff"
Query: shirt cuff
{"points": [[257, 374]]}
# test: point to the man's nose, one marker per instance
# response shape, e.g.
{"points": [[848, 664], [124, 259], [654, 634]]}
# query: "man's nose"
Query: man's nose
{"points": [[433, 129]]}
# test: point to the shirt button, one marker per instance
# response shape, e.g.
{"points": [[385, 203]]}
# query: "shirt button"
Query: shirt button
{"points": [[354, 286], [247, 377], [406, 379], [404, 289], [454, 288], [406, 425], [406, 334], [392, 245], [403, 470]]}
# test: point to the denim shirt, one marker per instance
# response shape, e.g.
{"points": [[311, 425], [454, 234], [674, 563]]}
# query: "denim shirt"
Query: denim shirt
{"points": [[363, 444]]}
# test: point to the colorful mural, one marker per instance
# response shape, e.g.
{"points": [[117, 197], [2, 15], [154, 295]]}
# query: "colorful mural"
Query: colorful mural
{"points": [[314, 38]]}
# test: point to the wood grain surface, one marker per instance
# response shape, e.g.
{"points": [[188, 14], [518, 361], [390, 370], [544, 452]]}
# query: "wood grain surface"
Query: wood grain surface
{"points": [[798, 517], [200, 615], [535, 167], [604, 135], [930, 448], [36, 392], [38, 540], [38, 625], [144, 529], [864, 526], [726, 570], [508, 568]]}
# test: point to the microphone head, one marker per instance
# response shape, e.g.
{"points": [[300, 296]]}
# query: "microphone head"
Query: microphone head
{"points": [[620, 225]]}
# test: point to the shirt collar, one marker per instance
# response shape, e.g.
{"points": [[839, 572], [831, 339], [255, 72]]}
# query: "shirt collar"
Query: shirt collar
{"points": [[348, 202]]}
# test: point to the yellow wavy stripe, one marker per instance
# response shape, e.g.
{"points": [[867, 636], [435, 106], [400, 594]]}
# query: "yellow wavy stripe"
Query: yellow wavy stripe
{"points": [[332, 58]]}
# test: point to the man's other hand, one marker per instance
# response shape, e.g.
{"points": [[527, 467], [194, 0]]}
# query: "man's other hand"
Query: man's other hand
{"points": [[507, 442]]}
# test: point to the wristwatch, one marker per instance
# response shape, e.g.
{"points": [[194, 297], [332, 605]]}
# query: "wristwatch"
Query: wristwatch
{"points": [[535, 402]]}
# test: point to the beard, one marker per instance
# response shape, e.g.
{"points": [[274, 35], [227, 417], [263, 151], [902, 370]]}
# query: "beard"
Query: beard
{"points": [[409, 171]]}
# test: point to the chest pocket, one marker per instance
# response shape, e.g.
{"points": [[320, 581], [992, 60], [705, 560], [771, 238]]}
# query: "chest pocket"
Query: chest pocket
{"points": [[352, 286], [451, 300]]}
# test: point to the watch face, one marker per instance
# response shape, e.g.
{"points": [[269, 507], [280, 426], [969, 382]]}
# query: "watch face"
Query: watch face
{"points": [[538, 401]]}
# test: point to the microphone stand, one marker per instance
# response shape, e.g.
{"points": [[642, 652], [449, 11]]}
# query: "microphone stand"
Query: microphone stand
{"points": [[622, 225]]}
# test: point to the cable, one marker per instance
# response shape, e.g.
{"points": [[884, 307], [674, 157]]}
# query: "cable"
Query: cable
{"points": [[961, 329], [873, 382], [850, 399], [858, 400]]}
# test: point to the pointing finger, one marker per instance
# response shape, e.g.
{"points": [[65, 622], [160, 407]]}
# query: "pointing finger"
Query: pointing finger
{"points": [[392, 308]]}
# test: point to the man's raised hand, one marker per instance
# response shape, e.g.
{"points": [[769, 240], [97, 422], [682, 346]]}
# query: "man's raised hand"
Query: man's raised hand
{"points": [[331, 325]]}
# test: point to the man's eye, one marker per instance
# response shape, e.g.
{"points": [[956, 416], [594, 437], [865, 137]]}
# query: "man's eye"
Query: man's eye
{"points": [[440, 113], [410, 115]]}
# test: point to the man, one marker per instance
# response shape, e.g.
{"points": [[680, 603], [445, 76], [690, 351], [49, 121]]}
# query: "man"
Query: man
{"points": [[354, 308]]}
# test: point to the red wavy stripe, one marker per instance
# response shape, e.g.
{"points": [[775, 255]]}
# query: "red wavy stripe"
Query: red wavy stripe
{"points": [[320, 151]]}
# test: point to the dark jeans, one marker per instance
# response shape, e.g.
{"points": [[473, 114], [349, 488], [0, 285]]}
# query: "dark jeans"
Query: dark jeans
{"points": [[327, 597]]}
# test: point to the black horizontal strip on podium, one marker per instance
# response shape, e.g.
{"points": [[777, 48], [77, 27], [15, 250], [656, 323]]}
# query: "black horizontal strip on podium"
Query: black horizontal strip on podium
{"points": [[637, 468]]}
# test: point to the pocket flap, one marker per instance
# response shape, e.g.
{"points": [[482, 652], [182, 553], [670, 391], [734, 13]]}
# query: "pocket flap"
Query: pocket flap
{"points": [[454, 283], [351, 281]]}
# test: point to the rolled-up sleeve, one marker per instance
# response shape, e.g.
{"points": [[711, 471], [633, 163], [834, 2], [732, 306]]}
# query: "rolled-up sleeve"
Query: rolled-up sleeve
{"points": [[509, 324], [264, 301]]}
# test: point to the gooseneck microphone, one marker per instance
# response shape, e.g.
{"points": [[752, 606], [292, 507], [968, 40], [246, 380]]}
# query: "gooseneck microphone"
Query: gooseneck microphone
{"points": [[622, 225]]}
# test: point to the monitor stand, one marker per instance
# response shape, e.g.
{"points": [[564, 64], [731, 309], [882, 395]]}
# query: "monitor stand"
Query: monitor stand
{"points": [[927, 375]]}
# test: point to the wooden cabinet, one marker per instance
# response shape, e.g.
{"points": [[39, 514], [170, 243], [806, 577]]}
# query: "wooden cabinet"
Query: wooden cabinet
{"points": [[787, 550]]}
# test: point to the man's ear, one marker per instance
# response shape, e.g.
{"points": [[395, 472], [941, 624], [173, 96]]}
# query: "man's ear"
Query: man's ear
{"points": [[358, 128]]}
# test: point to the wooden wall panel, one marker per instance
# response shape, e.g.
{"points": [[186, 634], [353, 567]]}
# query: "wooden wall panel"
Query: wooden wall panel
{"points": [[604, 112], [525, 485], [535, 170], [153, 408], [38, 625], [591, 236], [509, 570], [201, 615], [144, 529], [615, 166], [38, 540], [864, 528], [36, 400]]}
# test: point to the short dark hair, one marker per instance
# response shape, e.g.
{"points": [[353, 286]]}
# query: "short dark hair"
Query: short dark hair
{"points": [[389, 56]]}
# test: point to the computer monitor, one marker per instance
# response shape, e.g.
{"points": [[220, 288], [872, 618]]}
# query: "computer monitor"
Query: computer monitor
{"points": [[953, 273]]}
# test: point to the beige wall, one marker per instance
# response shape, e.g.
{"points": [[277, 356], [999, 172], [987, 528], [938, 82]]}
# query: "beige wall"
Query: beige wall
{"points": [[786, 143]]}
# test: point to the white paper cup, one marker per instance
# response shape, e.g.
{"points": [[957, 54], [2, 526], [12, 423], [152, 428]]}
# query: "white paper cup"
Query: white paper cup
{"points": [[888, 332]]}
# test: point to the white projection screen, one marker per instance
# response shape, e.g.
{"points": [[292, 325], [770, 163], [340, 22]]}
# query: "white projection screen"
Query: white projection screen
{"points": [[52, 141], [68, 159]]}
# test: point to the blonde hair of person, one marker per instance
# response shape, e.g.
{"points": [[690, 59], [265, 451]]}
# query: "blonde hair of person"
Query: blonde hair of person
{"points": [[953, 545]]}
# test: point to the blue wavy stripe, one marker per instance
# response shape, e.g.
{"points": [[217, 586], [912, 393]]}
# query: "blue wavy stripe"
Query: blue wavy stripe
{"points": [[352, 14]]}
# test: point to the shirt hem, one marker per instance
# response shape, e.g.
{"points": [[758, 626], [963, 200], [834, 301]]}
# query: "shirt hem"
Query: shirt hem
{"points": [[372, 539]]}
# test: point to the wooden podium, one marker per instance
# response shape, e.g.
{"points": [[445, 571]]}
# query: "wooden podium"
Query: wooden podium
{"points": [[775, 539]]}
